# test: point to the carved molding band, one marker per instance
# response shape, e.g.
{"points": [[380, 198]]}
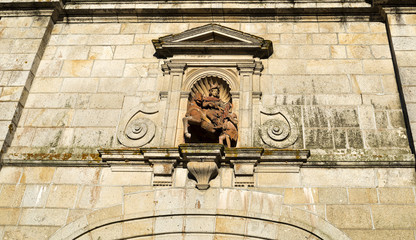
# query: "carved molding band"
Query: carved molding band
{"points": [[279, 132]]}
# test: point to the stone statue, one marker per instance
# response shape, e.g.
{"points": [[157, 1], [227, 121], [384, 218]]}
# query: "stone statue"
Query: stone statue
{"points": [[211, 118]]}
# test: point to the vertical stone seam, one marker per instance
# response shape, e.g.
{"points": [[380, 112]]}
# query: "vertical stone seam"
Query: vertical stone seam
{"points": [[399, 87]]}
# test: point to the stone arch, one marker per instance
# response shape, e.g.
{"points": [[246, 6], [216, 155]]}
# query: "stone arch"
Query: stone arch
{"points": [[223, 212], [228, 76]]}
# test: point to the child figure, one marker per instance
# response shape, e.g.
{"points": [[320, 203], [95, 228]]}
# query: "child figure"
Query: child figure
{"points": [[229, 129]]}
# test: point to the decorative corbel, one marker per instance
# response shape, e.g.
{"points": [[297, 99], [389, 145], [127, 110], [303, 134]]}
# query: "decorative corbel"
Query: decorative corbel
{"points": [[202, 161]]}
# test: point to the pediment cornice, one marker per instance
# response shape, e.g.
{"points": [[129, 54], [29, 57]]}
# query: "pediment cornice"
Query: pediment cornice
{"points": [[212, 39]]}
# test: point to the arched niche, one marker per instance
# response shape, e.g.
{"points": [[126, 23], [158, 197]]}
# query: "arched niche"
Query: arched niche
{"points": [[190, 214]]}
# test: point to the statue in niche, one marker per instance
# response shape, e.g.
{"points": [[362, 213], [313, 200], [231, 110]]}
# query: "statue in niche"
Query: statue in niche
{"points": [[209, 117]]}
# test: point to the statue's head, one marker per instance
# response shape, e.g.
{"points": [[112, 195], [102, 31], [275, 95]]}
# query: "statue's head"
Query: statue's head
{"points": [[214, 91]]}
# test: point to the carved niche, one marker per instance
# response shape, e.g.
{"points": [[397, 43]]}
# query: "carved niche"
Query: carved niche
{"points": [[209, 117]]}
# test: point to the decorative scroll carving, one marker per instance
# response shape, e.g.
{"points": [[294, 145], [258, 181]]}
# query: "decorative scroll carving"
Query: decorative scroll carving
{"points": [[136, 130], [279, 132], [209, 115]]}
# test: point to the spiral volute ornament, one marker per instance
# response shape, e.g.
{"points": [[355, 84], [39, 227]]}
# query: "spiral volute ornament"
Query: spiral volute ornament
{"points": [[278, 132], [137, 132]]}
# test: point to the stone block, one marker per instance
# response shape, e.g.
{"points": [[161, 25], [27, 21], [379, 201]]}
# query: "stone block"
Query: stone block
{"points": [[46, 217], [108, 68], [18, 78], [105, 40], [281, 27], [349, 216], [168, 28], [386, 101], [381, 51], [134, 228], [12, 195], [333, 66], [403, 30], [80, 85], [129, 52], [262, 228], [363, 38], [98, 216], [396, 195], [401, 19], [106, 101], [406, 75], [362, 195], [125, 178], [357, 27], [62, 196], [358, 51], [286, 51], [65, 175], [93, 137], [329, 38], [396, 119], [254, 28], [300, 38], [123, 85], [72, 52], [35, 196], [100, 197], [331, 27], [95, 117], [25, 46], [230, 225], [406, 58], [10, 174], [86, 28], [16, 61], [11, 93], [301, 196], [140, 69], [37, 174], [376, 234], [313, 51], [199, 224], [67, 40], [169, 224], [367, 117], [338, 177], [100, 52], [16, 21], [139, 202], [66, 100], [134, 28], [49, 117], [49, 68], [318, 138], [380, 66], [76, 68], [29, 232], [287, 66], [46, 85], [10, 216], [394, 216], [303, 27], [169, 199], [333, 195], [389, 83], [278, 179]]}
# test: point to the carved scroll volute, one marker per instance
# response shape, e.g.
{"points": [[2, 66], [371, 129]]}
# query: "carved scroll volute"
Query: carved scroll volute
{"points": [[203, 172], [136, 129], [280, 131]]}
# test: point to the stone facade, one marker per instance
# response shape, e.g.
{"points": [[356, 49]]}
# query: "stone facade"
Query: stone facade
{"points": [[93, 93]]}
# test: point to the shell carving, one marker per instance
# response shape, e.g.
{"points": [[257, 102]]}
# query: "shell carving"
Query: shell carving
{"points": [[203, 86]]}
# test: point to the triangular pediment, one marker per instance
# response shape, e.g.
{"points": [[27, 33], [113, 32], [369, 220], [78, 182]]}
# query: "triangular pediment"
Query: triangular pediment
{"points": [[212, 39]]}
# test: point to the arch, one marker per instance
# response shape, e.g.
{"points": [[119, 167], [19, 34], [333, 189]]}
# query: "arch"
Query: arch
{"points": [[228, 76], [258, 215]]}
